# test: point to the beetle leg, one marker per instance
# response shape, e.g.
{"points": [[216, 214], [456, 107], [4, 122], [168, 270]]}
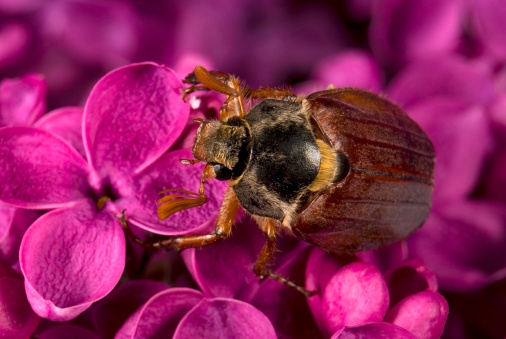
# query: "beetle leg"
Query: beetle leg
{"points": [[228, 85], [223, 229], [193, 80], [261, 267], [183, 199], [192, 89], [265, 93]]}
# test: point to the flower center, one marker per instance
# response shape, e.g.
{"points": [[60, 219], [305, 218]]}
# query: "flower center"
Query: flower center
{"points": [[101, 201]]}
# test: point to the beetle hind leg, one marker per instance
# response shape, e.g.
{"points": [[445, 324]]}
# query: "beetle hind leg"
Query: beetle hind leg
{"points": [[261, 267]]}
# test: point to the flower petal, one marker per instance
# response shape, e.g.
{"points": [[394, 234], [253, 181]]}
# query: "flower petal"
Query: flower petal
{"points": [[17, 319], [67, 123], [449, 77], [110, 313], [408, 278], [490, 22], [14, 40], [378, 330], [13, 224], [160, 315], [224, 318], [320, 268], [386, 257], [133, 115], [39, 170], [141, 200], [454, 127], [218, 273], [274, 298], [93, 32], [401, 31], [71, 257], [352, 68], [423, 314], [356, 294], [65, 331], [22, 100], [476, 254]]}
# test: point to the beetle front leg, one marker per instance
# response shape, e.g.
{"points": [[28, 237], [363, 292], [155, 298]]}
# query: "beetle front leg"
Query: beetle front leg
{"points": [[223, 229], [269, 93], [261, 267]]}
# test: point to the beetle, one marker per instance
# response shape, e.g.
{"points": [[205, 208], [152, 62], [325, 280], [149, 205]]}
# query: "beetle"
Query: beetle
{"points": [[343, 169]]}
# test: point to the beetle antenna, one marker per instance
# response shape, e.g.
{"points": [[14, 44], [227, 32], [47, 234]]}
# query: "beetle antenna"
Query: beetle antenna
{"points": [[183, 199]]}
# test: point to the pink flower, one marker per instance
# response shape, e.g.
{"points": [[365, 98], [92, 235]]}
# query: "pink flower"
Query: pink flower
{"points": [[74, 255]]}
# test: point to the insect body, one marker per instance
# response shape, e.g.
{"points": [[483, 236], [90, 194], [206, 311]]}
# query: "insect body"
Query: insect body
{"points": [[344, 169]]}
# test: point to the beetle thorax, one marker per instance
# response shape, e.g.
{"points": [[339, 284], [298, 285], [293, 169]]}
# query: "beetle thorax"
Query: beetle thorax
{"points": [[221, 143]]}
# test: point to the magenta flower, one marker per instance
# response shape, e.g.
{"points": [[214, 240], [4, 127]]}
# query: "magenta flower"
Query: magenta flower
{"points": [[22, 101], [401, 31], [131, 117], [186, 313], [17, 319], [355, 293]]}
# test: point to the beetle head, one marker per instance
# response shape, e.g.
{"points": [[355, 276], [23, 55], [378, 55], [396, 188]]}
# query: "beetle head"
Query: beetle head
{"points": [[222, 144]]}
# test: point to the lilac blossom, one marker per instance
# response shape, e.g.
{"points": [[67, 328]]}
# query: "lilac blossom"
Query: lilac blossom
{"points": [[45, 172], [17, 319], [22, 100]]}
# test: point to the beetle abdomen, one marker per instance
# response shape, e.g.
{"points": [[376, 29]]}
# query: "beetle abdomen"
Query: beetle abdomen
{"points": [[387, 192]]}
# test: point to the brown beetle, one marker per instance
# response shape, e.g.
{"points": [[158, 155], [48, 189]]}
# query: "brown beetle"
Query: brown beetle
{"points": [[343, 169]]}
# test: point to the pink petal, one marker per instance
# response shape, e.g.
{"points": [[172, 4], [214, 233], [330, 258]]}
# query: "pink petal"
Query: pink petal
{"points": [[187, 62], [224, 318], [410, 277], [450, 76], [93, 32], [386, 257], [22, 100], [160, 315], [220, 275], [462, 138], [401, 31], [351, 68], [71, 257], [356, 294], [476, 255], [378, 330], [13, 224], [19, 6], [65, 331], [423, 314], [17, 319], [110, 313], [14, 40], [141, 200], [320, 268], [205, 105], [39, 170], [66, 123], [490, 21], [132, 116], [274, 298]]}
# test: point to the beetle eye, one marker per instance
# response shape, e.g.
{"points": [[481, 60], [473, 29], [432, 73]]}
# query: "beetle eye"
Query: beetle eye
{"points": [[222, 172]]}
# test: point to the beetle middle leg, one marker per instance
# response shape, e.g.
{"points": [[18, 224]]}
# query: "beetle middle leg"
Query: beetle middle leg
{"points": [[261, 267]]}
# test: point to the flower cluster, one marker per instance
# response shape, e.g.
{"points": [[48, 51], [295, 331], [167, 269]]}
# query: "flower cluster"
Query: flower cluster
{"points": [[68, 172]]}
